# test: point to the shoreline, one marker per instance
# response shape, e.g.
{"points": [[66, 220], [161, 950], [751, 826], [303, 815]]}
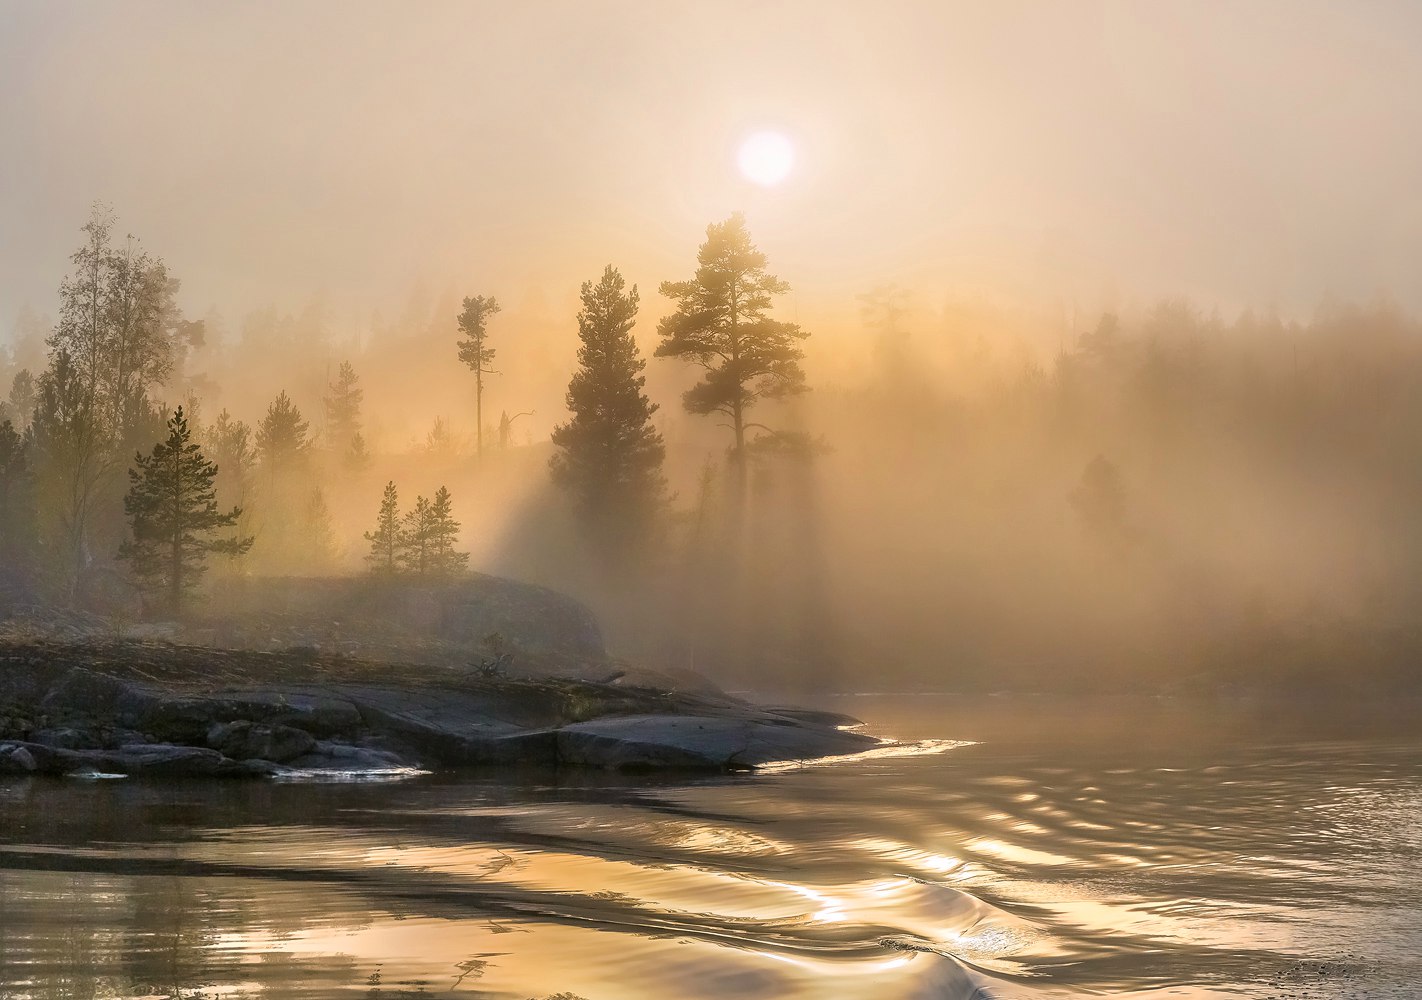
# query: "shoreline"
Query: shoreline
{"points": [[163, 709]]}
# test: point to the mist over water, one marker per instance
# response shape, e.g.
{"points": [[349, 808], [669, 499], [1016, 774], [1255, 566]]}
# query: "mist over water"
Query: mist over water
{"points": [[1041, 385], [1089, 403], [1107, 420]]}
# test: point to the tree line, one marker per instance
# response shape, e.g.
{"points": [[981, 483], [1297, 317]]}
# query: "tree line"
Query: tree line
{"points": [[96, 419]]}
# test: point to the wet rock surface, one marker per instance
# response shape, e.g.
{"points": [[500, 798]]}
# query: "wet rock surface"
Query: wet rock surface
{"points": [[165, 709], [244, 740]]}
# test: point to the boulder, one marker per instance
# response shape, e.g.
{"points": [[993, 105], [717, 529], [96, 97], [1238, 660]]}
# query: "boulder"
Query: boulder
{"points": [[16, 759], [247, 740], [46, 760]]}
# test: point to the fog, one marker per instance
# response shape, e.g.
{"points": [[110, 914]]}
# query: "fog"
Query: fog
{"points": [[1114, 355]]}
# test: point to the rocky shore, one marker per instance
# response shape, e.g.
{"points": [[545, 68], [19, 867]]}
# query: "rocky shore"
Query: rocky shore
{"points": [[167, 709]]}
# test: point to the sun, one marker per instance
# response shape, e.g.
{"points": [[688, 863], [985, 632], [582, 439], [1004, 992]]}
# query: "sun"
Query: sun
{"points": [[766, 158]]}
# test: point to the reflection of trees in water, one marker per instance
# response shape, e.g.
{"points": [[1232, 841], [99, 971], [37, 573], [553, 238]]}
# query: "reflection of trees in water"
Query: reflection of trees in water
{"points": [[86, 937], [280, 974], [60, 936], [168, 934], [91, 935], [162, 889]]}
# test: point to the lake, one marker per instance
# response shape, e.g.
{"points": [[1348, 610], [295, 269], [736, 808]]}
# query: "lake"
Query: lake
{"points": [[1076, 847]]}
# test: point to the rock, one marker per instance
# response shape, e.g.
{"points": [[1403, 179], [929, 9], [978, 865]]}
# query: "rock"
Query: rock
{"points": [[160, 758], [330, 756], [96, 696], [188, 719], [134, 758], [320, 715], [698, 742], [535, 748], [112, 739], [46, 760], [457, 727], [342, 716], [246, 740], [15, 759], [776, 743], [66, 739], [251, 769], [24, 681], [183, 720]]}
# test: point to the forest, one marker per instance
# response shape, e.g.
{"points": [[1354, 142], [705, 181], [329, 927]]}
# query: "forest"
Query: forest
{"points": [[952, 495]]}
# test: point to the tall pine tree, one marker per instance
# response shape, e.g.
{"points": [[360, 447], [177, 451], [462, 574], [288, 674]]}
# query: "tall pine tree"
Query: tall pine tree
{"points": [[172, 509], [723, 324], [609, 457], [475, 352]]}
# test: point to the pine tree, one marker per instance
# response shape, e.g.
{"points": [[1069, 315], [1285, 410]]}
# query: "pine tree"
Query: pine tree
{"points": [[172, 509], [414, 552], [440, 440], [385, 539], [443, 533], [428, 532], [357, 456], [22, 398], [230, 443], [283, 491], [232, 446], [281, 436], [192, 406], [722, 323], [343, 408], [610, 456], [474, 353]]}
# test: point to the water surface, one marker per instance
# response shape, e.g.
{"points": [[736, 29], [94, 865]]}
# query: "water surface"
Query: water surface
{"points": [[1125, 847]]}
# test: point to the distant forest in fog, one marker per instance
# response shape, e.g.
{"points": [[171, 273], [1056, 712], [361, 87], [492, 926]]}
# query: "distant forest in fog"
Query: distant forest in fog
{"points": [[1164, 499]]}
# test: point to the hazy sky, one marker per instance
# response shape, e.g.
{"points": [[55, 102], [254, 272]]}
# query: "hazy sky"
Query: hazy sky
{"points": [[1246, 152]]}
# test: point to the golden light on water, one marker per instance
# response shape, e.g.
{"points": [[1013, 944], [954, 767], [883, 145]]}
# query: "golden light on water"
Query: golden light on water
{"points": [[766, 158]]}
